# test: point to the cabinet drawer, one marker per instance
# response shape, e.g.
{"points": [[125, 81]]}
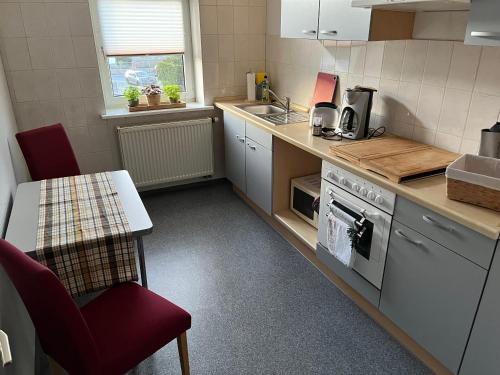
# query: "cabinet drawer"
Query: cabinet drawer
{"points": [[260, 136], [462, 240], [431, 293]]}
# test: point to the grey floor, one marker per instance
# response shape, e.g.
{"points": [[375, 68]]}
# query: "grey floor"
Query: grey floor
{"points": [[258, 306]]}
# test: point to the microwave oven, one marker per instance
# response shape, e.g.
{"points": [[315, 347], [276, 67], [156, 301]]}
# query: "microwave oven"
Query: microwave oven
{"points": [[304, 191]]}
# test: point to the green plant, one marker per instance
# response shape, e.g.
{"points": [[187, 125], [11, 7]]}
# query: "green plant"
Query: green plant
{"points": [[132, 93], [173, 92]]}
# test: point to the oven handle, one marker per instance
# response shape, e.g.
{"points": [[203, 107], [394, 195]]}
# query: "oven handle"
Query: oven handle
{"points": [[361, 211]]}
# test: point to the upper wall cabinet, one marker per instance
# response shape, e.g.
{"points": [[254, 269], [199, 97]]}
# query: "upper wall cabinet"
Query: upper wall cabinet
{"points": [[338, 20], [483, 27]]}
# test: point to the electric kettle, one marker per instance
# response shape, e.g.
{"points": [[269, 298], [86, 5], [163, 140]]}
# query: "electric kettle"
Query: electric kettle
{"points": [[328, 112]]}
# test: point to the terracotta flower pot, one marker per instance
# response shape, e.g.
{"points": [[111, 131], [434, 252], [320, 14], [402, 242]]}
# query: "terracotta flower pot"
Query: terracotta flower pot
{"points": [[133, 103], [154, 99]]}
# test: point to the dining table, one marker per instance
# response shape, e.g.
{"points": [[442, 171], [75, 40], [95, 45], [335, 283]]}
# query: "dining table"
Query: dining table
{"points": [[22, 233]]}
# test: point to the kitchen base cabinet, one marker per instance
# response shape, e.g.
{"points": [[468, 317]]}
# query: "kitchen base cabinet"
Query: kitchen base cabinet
{"points": [[259, 175], [483, 351], [431, 293], [234, 141]]}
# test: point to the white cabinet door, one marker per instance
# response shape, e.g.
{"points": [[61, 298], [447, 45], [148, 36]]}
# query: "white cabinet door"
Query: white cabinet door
{"points": [[299, 18], [234, 140], [484, 26], [259, 175], [339, 21]]}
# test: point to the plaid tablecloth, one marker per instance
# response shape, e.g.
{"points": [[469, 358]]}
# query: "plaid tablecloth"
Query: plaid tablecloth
{"points": [[83, 234]]}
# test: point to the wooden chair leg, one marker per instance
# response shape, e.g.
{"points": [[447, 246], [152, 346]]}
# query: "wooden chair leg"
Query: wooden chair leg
{"points": [[55, 369], [183, 353]]}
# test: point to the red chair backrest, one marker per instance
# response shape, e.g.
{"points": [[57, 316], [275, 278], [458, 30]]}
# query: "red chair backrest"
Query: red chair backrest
{"points": [[48, 152], [62, 331]]}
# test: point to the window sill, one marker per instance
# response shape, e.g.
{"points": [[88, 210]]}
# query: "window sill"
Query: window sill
{"points": [[124, 113]]}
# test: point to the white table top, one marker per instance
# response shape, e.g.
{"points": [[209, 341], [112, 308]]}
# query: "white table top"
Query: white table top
{"points": [[23, 223]]}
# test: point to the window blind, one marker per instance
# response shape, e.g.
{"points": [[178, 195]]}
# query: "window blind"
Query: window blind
{"points": [[141, 27]]}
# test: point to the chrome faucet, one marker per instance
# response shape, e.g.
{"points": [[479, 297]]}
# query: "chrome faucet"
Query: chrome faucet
{"points": [[285, 102]]}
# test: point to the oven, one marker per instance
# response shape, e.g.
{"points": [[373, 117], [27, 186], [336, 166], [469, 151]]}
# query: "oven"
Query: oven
{"points": [[346, 195]]}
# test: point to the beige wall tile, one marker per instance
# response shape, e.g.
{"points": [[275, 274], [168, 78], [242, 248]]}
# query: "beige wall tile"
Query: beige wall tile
{"points": [[35, 23], [357, 59], [74, 111], [41, 53], [259, 3], [79, 19], [208, 2], [226, 48], [52, 112], [257, 20], [241, 44], [90, 82], [226, 74], [24, 85], [211, 75], [429, 107], [64, 52], [438, 62], [464, 64], [273, 16], [388, 92], [100, 138], [488, 76], [469, 147], [46, 86], [448, 142], [257, 47], [241, 16], [28, 115], [342, 56], [454, 112], [414, 60], [408, 94], [374, 58], [85, 52], [57, 16], [17, 54], [483, 114], [224, 2], [393, 60], [11, 21], [69, 83], [225, 20], [208, 20], [424, 135]]}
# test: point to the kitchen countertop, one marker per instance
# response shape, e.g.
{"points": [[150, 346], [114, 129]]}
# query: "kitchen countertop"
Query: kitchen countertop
{"points": [[429, 192]]}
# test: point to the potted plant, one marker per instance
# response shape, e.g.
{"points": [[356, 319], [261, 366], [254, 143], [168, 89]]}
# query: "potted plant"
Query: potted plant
{"points": [[173, 92], [132, 94], [153, 94]]}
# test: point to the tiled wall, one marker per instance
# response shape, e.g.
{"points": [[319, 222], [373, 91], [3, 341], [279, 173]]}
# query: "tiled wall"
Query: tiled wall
{"points": [[438, 92], [233, 43]]}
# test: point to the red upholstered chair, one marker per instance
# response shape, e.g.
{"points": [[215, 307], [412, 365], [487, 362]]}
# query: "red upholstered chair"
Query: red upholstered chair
{"points": [[48, 152], [110, 335]]}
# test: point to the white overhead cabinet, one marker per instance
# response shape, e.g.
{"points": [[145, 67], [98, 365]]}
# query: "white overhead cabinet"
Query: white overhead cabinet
{"points": [[338, 20], [484, 26]]}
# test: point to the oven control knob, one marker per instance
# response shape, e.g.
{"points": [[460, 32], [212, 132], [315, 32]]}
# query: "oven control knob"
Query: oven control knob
{"points": [[379, 199], [363, 191], [330, 175], [356, 187], [343, 180], [371, 195]]}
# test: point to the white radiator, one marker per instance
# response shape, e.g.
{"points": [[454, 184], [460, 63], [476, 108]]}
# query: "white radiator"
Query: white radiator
{"points": [[167, 152]]}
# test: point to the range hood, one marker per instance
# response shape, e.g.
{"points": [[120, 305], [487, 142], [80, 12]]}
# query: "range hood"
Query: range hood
{"points": [[413, 5]]}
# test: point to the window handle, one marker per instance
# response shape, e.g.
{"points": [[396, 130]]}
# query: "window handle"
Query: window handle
{"points": [[430, 220], [406, 238]]}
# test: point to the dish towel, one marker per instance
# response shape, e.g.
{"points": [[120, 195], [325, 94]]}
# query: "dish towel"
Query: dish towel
{"points": [[338, 240]]}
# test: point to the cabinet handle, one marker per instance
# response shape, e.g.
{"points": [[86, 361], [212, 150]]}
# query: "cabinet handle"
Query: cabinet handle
{"points": [[329, 32], [434, 222], [406, 238], [242, 140], [252, 147], [309, 32], [485, 34]]}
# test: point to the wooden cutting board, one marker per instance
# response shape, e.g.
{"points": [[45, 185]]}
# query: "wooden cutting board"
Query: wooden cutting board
{"points": [[374, 148], [395, 158], [410, 164]]}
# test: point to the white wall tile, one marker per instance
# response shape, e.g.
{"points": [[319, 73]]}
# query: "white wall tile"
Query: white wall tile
{"points": [[225, 20], [414, 60], [226, 48], [483, 114], [208, 20], [388, 92], [357, 58], [408, 95], [17, 54], [224, 2], [256, 47], [342, 56], [374, 58], [454, 112], [41, 52], [241, 45], [393, 59], [74, 110], [90, 82], [429, 107], [11, 21], [488, 76], [57, 16], [464, 64], [273, 16], [211, 75], [259, 3], [24, 85], [226, 74], [469, 147], [100, 138], [52, 112], [69, 83], [424, 135], [210, 48], [35, 23], [208, 2], [438, 62], [257, 17], [79, 19], [448, 142], [28, 115], [46, 86]]}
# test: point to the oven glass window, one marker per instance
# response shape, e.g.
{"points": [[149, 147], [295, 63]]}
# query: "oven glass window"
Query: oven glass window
{"points": [[303, 203]]}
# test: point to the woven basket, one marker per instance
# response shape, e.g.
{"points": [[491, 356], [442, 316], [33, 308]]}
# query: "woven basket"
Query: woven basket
{"points": [[475, 194], [154, 99]]}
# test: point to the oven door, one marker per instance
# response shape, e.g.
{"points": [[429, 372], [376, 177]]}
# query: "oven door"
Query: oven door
{"points": [[372, 250]]}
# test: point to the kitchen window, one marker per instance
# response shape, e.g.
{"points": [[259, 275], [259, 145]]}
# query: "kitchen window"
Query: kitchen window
{"points": [[141, 43]]}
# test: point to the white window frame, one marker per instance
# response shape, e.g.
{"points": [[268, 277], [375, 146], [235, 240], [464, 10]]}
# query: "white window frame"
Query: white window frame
{"points": [[113, 102]]}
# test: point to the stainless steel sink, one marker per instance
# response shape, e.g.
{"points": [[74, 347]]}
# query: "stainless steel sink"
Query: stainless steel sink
{"points": [[274, 114], [261, 109]]}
